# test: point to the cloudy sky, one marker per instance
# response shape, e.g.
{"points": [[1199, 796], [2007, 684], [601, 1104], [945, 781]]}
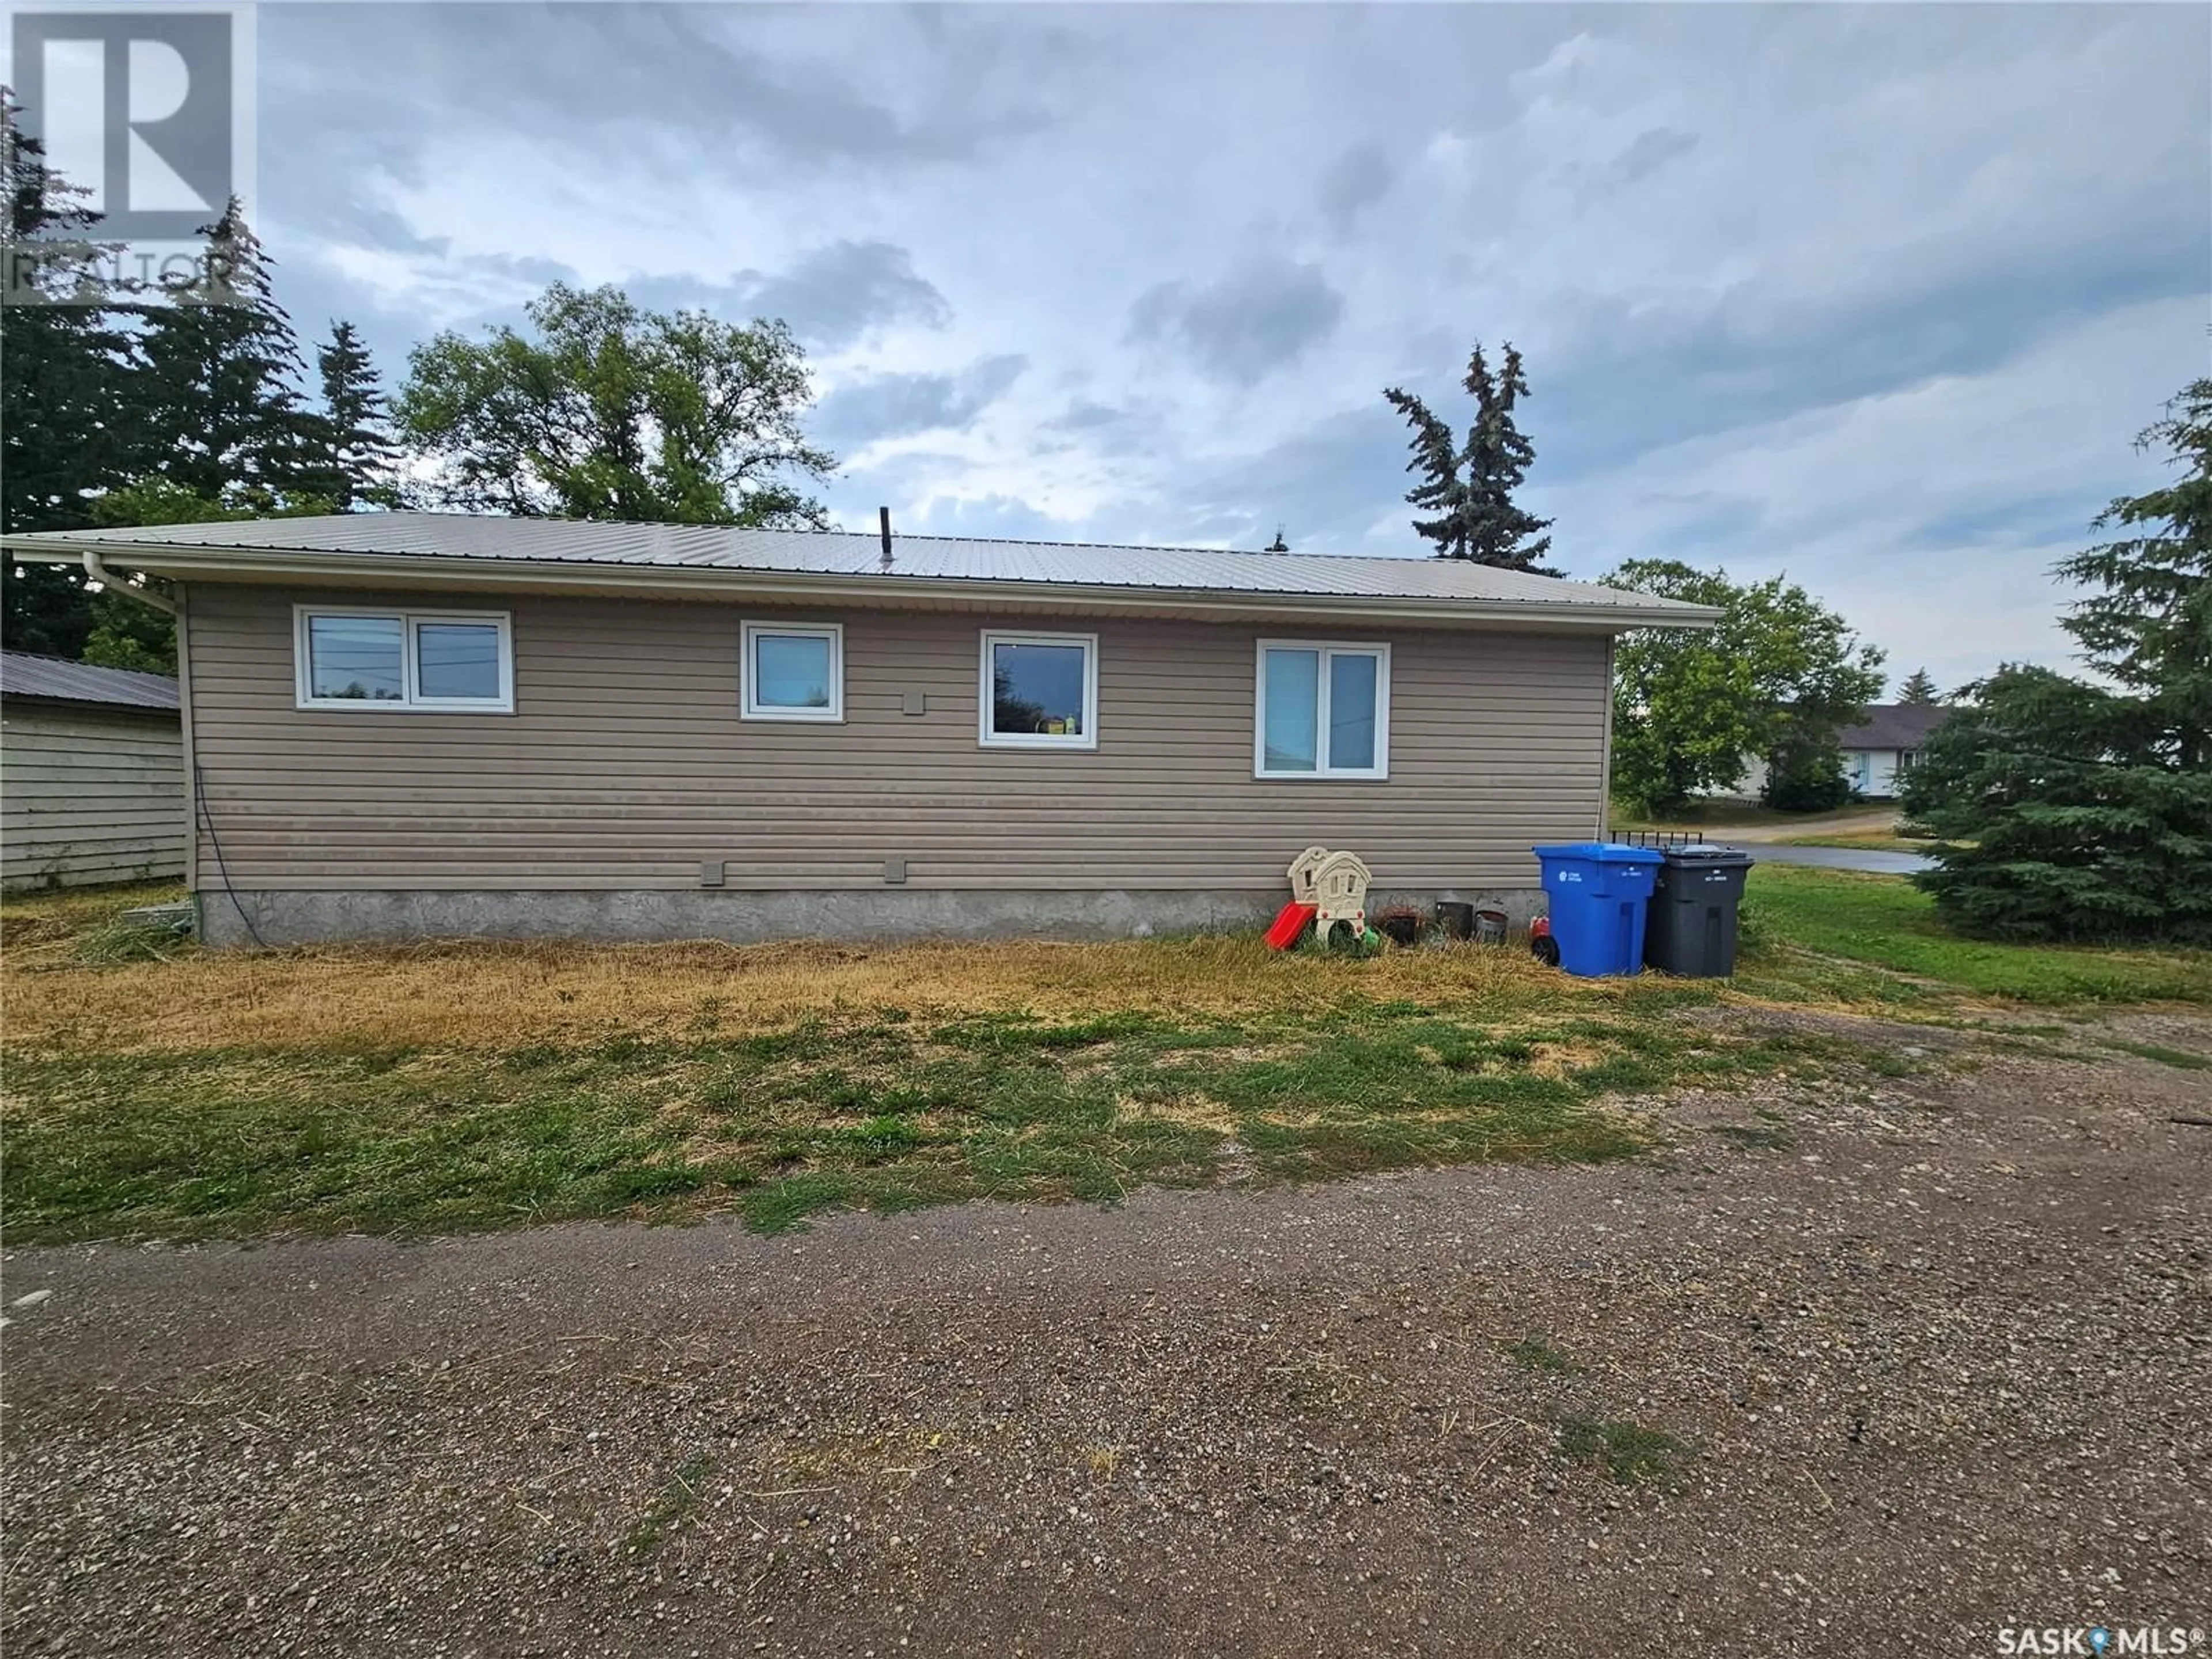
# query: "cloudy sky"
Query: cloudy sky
{"points": [[1877, 296]]}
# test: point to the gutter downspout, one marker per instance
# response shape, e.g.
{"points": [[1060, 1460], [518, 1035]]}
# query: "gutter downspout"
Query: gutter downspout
{"points": [[194, 808], [114, 584], [1605, 765]]}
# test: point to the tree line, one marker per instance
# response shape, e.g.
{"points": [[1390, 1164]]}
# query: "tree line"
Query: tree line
{"points": [[121, 407]]}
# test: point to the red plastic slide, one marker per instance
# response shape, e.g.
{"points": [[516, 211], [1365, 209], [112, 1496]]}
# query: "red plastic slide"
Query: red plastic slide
{"points": [[1290, 925]]}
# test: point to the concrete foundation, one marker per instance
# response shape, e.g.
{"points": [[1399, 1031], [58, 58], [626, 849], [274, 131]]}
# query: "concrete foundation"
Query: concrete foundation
{"points": [[747, 918]]}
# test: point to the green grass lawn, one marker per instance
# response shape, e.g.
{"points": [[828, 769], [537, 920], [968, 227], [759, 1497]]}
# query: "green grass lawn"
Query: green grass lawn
{"points": [[181, 1094], [879, 1110], [1888, 923]]}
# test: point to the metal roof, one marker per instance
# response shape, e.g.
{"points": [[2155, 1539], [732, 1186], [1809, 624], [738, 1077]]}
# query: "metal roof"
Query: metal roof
{"points": [[365, 538], [1895, 725], [22, 675]]}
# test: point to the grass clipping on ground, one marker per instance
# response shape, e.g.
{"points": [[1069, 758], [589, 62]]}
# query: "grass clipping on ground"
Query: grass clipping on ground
{"points": [[447, 1086], [453, 1086]]}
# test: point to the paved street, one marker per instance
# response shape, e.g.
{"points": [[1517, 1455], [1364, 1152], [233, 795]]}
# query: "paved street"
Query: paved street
{"points": [[1840, 858]]}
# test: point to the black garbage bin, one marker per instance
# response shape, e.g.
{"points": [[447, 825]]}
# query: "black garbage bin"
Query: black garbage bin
{"points": [[1690, 927]]}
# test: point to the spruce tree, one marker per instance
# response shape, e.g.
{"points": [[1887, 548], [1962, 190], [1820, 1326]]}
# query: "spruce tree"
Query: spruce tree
{"points": [[1467, 489], [1498, 457], [356, 457], [2070, 810], [1918, 690], [1442, 493], [63, 438], [221, 386]]}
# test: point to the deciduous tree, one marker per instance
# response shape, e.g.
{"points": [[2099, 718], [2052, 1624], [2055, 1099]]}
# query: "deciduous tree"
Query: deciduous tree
{"points": [[608, 411], [1778, 676]]}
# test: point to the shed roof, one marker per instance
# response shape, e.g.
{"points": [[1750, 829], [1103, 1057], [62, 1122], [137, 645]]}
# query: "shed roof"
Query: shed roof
{"points": [[1895, 725], [409, 543], [23, 674]]}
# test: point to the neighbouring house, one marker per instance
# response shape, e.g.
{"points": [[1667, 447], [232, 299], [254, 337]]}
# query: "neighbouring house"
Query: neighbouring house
{"points": [[92, 775], [1878, 751], [409, 724]]}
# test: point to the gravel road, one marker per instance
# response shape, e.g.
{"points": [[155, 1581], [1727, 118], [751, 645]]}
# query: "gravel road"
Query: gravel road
{"points": [[1939, 1346]]}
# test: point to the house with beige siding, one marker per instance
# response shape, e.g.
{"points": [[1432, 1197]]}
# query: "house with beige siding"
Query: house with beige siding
{"points": [[414, 724], [92, 775]]}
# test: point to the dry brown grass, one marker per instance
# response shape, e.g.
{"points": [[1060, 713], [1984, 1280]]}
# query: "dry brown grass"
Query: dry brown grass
{"points": [[1191, 1111], [1559, 1059], [504, 996], [39, 923]]}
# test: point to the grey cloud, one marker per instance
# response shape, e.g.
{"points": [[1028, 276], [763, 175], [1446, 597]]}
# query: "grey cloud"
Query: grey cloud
{"points": [[835, 294], [1002, 517], [1103, 431], [313, 294], [2041, 520], [1327, 486], [1651, 151], [1360, 176], [911, 486], [831, 297], [1085, 416], [1617, 384], [583, 74], [1253, 321], [900, 405]]}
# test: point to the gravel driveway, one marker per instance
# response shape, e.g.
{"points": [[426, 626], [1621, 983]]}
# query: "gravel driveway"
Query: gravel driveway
{"points": [[1939, 1347]]}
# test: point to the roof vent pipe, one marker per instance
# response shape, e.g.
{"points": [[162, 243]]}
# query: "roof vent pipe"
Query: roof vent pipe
{"points": [[884, 517]]}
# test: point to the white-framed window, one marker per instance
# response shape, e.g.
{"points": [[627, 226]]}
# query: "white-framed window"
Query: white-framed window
{"points": [[1039, 690], [794, 670], [1321, 710], [363, 657]]}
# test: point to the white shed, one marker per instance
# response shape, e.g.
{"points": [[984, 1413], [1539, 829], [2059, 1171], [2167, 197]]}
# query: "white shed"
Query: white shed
{"points": [[92, 775]]}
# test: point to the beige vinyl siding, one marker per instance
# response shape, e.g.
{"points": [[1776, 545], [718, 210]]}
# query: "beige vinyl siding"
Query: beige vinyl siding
{"points": [[625, 763], [88, 794]]}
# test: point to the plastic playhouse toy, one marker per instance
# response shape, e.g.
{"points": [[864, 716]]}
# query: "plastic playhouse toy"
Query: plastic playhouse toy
{"points": [[1292, 919], [1302, 874], [1340, 894], [1327, 888]]}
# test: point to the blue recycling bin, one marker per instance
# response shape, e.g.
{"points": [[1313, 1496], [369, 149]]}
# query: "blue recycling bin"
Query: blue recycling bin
{"points": [[1598, 892]]}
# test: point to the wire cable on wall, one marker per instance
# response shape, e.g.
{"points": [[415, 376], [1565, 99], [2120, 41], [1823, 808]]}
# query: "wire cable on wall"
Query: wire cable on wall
{"points": [[222, 866]]}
